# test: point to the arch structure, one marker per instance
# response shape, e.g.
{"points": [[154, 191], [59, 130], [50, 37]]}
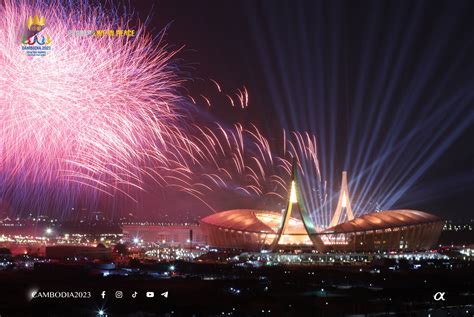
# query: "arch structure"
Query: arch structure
{"points": [[343, 204], [295, 209]]}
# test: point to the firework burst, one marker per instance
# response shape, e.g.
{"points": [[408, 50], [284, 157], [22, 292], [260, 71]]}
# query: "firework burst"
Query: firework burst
{"points": [[91, 113]]}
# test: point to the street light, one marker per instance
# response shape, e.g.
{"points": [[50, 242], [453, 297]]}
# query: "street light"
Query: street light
{"points": [[101, 312]]}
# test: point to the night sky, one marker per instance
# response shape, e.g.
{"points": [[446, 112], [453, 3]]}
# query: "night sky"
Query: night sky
{"points": [[386, 86], [322, 45]]}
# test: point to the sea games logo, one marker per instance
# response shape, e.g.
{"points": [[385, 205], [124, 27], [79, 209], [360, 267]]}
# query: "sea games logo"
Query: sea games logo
{"points": [[34, 42]]}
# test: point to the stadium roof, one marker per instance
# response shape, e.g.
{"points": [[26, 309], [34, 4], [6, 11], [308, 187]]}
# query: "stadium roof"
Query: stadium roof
{"points": [[251, 220], [385, 219], [238, 219], [262, 221]]}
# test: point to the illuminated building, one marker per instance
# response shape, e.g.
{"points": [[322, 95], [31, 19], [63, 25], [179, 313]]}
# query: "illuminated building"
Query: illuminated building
{"points": [[388, 230], [177, 235]]}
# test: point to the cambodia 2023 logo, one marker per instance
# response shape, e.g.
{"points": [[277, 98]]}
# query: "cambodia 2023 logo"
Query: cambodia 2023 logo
{"points": [[34, 42]]}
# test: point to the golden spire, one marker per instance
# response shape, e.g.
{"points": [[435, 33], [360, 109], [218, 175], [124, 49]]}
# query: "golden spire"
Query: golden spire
{"points": [[293, 197]]}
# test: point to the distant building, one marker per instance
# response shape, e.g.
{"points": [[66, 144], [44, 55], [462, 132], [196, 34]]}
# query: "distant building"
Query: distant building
{"points": [[61, 252], [178, 235]]}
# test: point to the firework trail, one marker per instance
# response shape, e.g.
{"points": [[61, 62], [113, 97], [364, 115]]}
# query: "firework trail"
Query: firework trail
{"points": [[241, 161], [89, 114]]}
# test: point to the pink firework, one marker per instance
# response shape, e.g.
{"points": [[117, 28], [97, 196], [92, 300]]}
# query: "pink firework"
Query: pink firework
{"points": [[92, 112]]}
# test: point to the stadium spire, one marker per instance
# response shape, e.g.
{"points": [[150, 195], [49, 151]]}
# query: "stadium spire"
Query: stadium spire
{"points": [[295, 204], [343, 203]]}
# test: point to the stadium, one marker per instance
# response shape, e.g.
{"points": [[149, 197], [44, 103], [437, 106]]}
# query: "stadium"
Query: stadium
{"points": [[388, 230]]}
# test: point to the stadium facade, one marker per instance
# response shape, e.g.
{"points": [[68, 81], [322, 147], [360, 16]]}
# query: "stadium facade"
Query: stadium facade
{"points": [[389, 230]]}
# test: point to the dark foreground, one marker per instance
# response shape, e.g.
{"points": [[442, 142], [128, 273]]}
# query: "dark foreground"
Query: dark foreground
{"points": [[224, 290]]}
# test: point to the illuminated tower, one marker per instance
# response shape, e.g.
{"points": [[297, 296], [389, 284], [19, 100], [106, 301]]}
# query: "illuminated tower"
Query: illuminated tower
{"points": [[295, 204], [343, 203]]}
